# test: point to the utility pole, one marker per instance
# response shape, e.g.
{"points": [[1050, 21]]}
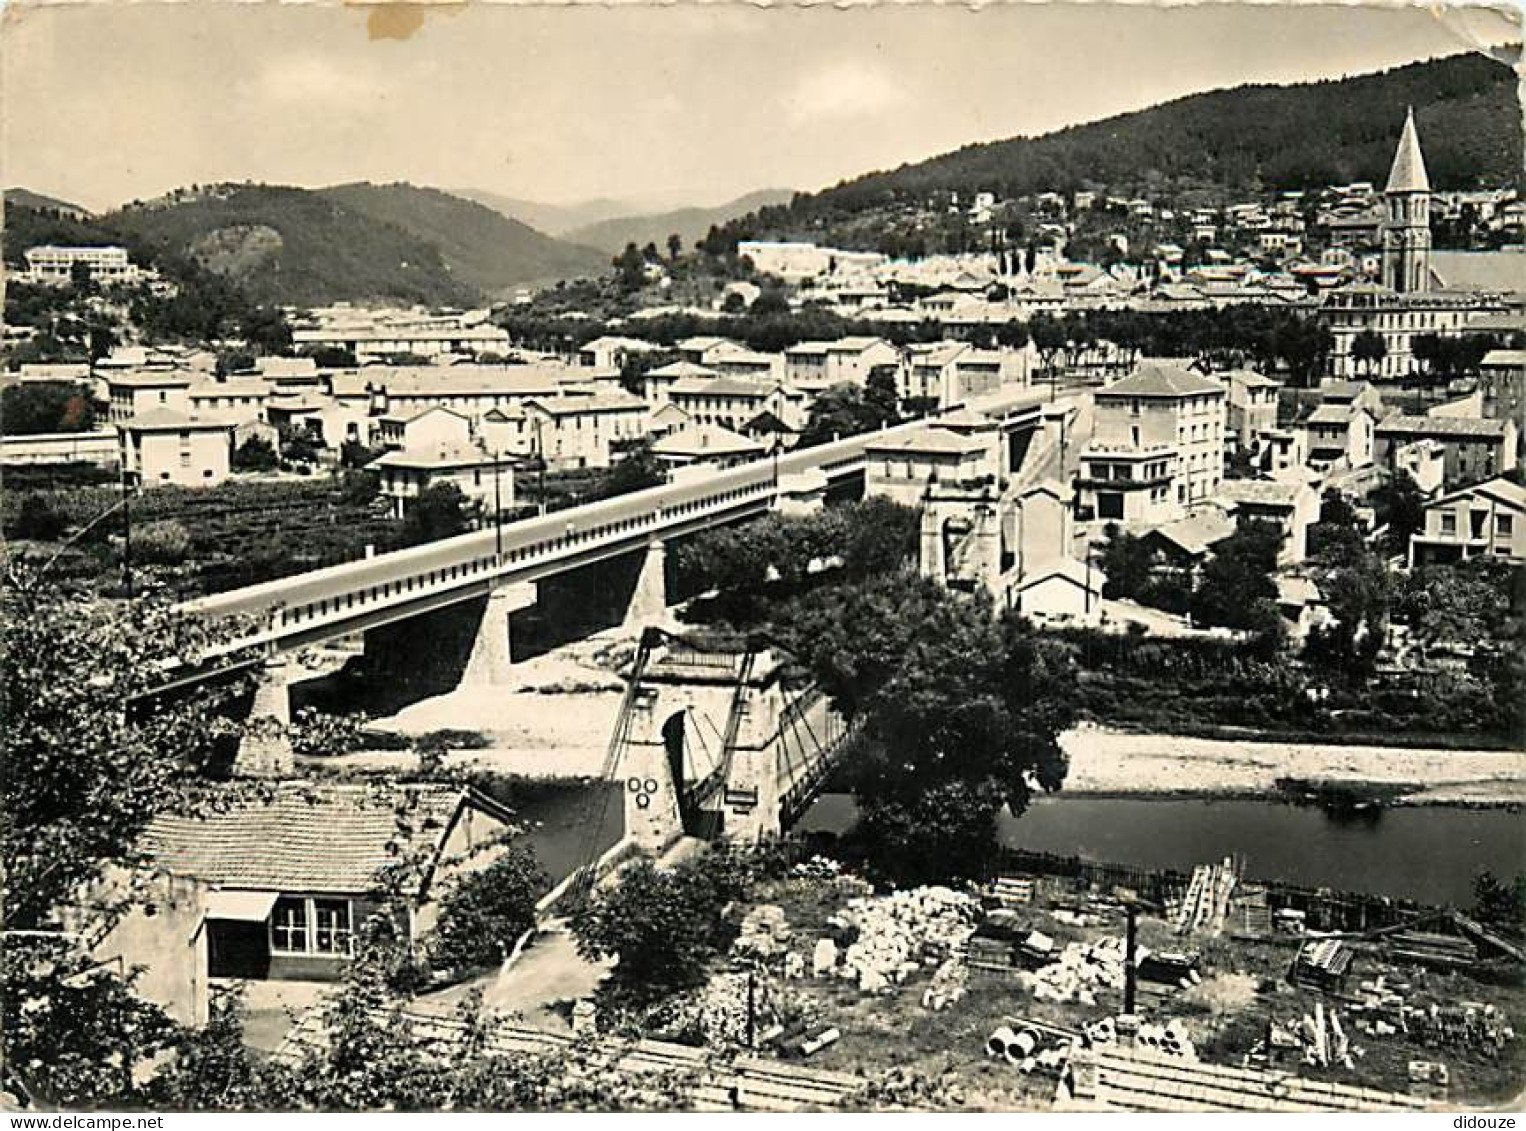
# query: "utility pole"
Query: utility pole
{"points": [[126, 534], [1130, 951], [497, 506]]}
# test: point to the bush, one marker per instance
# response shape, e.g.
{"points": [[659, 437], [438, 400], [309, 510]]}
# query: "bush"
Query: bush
{"points": [[37, 520], [483, 915], [162, 542], [255, 454]]}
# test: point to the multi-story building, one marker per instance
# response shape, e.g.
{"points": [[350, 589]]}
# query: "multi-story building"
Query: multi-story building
{"points": [[734, 402], [485, 479], [1157, 445], [51, 265], [1338, 435], [1251, 405], [1473, 449], [163, 447], [140, 391], [814, 366], [583, 431], [1485, 519]]}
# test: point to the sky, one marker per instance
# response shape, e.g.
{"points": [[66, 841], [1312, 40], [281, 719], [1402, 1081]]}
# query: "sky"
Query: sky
{"points": [[104, 103]]}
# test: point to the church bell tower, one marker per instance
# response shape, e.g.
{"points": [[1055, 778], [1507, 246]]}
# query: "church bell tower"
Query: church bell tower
{"points": [[1407, 228]]}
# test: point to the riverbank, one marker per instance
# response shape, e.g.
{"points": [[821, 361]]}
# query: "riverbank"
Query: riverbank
{"points": [[1122, 764]]}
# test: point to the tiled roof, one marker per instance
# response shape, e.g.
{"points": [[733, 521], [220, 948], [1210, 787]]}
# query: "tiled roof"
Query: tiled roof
{"points": [[1196, 533], [1265, 492], [1332, 414], [1400, 424], [703, 441], [1161, 380], [930, 441], [305, 836], [168, 420]]}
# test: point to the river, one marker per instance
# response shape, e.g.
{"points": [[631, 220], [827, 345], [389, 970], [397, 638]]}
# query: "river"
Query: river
{"points": [[1424, 853]]}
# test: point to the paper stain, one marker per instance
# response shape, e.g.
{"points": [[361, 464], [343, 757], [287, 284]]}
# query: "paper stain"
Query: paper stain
{"points": [[395, 21]]}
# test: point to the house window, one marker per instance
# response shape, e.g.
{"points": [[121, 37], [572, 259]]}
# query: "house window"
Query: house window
{"points": [[1449, 524], [333, 926], [288, 926], [1504, 525], [308, 925]]}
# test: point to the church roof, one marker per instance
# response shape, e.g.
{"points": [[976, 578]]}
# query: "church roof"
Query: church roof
{"points": [[1408, 172]]}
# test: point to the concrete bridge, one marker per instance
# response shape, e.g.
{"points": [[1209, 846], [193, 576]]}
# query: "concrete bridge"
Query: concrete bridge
{"points": [[341, 600], [504, 564]]}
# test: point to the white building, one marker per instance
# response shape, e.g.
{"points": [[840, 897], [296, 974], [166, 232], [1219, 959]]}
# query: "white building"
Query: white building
{"points": [[1157, 445], [52, 266], [163, 447]]}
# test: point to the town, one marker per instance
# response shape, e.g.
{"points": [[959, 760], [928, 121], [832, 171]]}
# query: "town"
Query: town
{"points": [[894, 649]]}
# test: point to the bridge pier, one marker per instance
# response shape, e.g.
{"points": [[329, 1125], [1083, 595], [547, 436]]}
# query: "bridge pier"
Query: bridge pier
{"points": [[265, 750], [491, 661], [649, 599]]}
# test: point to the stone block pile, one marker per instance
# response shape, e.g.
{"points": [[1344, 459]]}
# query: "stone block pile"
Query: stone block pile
{"points": [[886, 939], [1080, 971]]}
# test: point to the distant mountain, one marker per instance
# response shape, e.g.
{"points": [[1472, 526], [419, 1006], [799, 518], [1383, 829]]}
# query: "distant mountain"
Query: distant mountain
{"points": [[554, 219], [1250, 138], [690, 224], [293, 245], [26, 198], [481, 247]]}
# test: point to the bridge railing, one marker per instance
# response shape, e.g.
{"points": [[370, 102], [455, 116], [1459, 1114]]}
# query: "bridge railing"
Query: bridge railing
{"points": [[337, 593]]}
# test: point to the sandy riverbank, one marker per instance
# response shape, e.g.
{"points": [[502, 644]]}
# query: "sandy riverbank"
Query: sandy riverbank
{"points": [[556, 720], [1114, 762]]}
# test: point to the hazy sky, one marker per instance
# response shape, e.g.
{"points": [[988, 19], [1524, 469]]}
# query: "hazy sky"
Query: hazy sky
{"points": [[103, 103]]}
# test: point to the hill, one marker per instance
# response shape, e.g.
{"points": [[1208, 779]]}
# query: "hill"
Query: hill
{"points": [[555, 219], [1243, 140], [293, 245], [17, 197], [483, 248], [690, 224]]}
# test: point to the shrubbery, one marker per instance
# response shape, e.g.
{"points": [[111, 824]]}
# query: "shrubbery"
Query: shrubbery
{"points": [[486, 911]]}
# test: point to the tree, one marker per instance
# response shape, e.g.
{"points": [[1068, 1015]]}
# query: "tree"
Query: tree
{"points": [[438, 512], [483, 915], [1236, 589], [1400, 506], [1368, 350], [46, 406], [675, 245], [662, 925], [82, 775], [255, 454], [636, 469], [1358, 592], [1500, 902], [1126, 562], [37, 521], [962, 714], [1049, 339], [1452, 605], [630, 268]]}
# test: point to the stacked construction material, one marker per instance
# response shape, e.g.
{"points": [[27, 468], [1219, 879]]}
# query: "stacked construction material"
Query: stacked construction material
{"points": [[1005, 891], [1169, 1037], [1029, 1047], [899, 932], [764, 933], [950, 982], [1322, 964], [1079, 972]]}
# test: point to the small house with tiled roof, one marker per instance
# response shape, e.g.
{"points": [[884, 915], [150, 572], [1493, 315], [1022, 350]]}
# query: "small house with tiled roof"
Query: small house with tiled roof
{"points": [[272, 880]]}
